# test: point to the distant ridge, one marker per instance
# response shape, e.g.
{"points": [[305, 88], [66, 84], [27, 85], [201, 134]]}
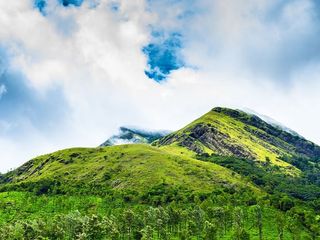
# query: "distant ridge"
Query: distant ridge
{"points": [[130, 135]]}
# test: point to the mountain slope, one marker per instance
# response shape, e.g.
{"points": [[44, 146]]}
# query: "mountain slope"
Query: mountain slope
{"points": [[126, 167], [230, 132]]}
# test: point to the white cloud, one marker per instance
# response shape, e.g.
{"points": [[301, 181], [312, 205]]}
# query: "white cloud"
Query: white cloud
{"points": [[98, 63]]}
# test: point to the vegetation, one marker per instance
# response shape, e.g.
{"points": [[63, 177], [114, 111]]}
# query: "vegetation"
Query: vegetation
{"points": [[306, 187], [134, 168], [227, 175], [230, 132], [220, 215]]}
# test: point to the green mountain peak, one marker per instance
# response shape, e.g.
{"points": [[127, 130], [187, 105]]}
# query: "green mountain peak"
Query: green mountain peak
{"points": [[229, 132]]}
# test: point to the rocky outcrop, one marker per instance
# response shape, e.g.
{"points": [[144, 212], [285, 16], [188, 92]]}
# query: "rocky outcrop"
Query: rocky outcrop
{"points": [[219, 142], [206, 135]]}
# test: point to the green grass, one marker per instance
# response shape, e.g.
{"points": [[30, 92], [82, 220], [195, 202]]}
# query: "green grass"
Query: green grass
{"points": [[237, 135], [126, 167]]}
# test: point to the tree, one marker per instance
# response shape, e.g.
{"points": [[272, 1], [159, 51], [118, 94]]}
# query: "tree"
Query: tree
{"points": [[198, 218], [174, 218], [238, 224], [220, 215], [281, 223], [293, 226], [95, 229], [111, 227], [30, 230], [147, 233], [210, 231], [286, 203], [257, 211], [312, 224], [129, 220]]}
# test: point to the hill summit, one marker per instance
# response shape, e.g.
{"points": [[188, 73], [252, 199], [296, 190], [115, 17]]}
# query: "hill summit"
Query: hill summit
{"points": [[236, 133]]}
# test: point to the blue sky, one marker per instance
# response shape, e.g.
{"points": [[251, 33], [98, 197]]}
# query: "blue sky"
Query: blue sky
{"points": [[73, 71]]}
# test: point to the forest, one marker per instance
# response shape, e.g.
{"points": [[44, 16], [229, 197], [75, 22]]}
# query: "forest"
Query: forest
{"points": [[162, 213]]}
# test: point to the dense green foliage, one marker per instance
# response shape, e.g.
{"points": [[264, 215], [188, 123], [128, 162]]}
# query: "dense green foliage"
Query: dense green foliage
{"points": [[220, 215]]}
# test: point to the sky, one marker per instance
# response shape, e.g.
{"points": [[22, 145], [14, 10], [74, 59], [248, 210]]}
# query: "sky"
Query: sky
{"points": [[73, 71]]}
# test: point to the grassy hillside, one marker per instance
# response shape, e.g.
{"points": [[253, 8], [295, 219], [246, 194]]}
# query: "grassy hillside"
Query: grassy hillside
{"points": [[126, 167], [230, 132]]}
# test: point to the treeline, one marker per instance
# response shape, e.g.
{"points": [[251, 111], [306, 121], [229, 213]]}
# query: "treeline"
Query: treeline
{"points": [[172, 222]]}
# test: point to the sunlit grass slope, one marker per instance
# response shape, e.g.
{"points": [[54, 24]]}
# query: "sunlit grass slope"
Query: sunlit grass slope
{"points": [[235, 133], [130, 167]]}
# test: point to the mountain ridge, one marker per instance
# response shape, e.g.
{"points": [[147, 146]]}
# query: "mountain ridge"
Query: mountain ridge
{"points": [[231, 132], [271, 121], [130, 135]]}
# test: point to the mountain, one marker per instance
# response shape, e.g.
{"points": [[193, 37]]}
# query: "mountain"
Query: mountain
{"points": [[220, 133], [229, 132], [129, 135], [227, 175]]}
